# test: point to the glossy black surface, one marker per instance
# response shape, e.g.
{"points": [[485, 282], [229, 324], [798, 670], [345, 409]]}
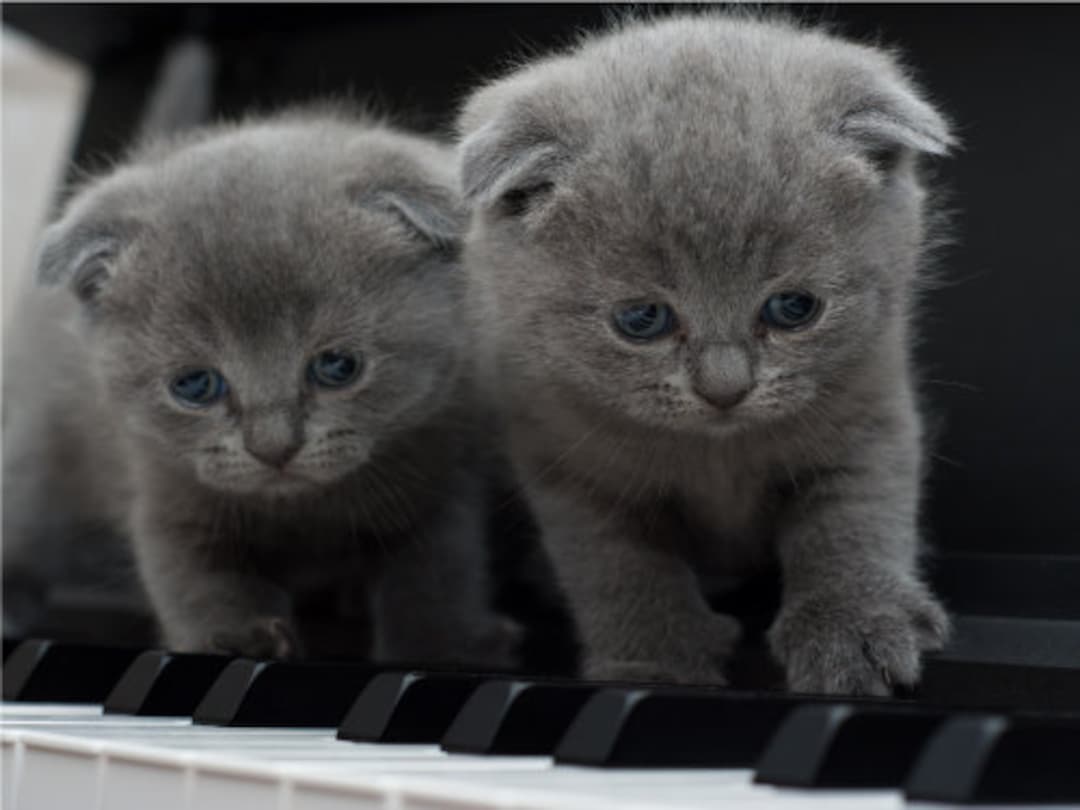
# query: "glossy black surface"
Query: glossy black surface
{"points": [[407, 707], [9, 646], [164, 684], [843, 745], [644, 727], [278, 694], [990, 684], [50, 672], [996, 759], [516, 717]]}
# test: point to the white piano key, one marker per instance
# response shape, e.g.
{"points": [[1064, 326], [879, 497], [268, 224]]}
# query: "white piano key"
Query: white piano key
{"points": [[766, 797], [14, 713], [450, 794], [236, 786], [569, 787], [176, 734], [440, 763], [317, 794], [57, 772], [10, 760], [102, 728], [137, 780], [453, 796]]}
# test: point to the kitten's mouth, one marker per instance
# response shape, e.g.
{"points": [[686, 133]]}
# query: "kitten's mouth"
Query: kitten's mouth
{"points": [[266, 481], [272, 483], [290, 481]]}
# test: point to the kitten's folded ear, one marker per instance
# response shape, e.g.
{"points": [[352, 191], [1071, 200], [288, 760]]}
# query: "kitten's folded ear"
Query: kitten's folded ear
{"points": [[81, 249], [891, 118], [501, 163], [80, 253], [434, 214], [511, 149]]}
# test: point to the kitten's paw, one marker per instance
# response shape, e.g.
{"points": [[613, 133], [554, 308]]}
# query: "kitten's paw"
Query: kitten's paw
{"points": [[835, 643], [265, 637]]}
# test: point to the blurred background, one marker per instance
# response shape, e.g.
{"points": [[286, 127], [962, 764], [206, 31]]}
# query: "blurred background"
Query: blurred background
{"points": [[1001, 333]]}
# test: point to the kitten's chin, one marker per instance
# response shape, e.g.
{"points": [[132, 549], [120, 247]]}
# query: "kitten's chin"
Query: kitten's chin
{"points": [[723, 428], [708, 422], [278, 485], [288, 486]]}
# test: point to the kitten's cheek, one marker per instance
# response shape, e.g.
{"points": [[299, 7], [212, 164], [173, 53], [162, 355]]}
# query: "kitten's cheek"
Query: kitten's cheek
{"points": [[328, 465]]}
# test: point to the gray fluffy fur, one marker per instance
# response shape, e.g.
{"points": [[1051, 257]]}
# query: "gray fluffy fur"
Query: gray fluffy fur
{"points": [[708, 162], [251, 248]]}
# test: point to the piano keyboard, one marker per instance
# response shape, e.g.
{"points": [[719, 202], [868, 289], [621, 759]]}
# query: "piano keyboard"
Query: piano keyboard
{"points": [[278, 736]]}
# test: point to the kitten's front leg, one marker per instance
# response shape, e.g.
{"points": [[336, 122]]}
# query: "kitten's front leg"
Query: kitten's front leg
{"points": [[855, 617], [203, 598], [638, 604], [433, 594]]}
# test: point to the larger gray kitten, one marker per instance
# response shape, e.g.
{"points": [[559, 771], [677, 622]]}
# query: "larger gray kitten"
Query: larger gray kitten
{"points": [[273, 319], [692, 254]]}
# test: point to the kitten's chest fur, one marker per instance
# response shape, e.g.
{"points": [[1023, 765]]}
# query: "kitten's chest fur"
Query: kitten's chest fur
{"points": [[723, 497], [353, 519], [715, 501], [344, 532], [308, 551]]}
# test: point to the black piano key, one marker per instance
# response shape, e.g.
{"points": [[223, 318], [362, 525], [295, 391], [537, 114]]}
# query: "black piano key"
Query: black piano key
{"points": [[9, 646], [991, 685], [49, 672], [994, 759], [516, 717], [282, 694], [164, 684], [673, 728], [846, 745], [407, 707]]}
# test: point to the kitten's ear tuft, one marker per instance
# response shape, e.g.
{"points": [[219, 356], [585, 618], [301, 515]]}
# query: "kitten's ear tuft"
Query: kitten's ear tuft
{"points": [[509, 166], [893, 121], [91, 278], [431, 213], [79, 255]]}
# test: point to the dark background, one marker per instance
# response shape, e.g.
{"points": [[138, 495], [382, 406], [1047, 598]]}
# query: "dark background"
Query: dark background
{"points": [[1002, 331]]}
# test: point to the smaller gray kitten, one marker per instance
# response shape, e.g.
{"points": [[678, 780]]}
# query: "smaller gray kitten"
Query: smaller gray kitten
{"points": [[693, 253], [270, 352]]}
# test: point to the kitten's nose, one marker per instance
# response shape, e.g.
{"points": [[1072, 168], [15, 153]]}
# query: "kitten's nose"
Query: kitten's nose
{"points": [[724, 376], [275, 456], [273, 438], [722, 400]]}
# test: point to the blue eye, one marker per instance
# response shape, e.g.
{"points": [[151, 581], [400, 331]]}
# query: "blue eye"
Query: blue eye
{"points": [[790, 310], [199, 387], [645, 321], [334, 369]]}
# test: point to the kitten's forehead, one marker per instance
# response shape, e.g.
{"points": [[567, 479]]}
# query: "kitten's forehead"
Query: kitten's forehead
{"points": [[265, 227], [701, 134], [732, 118], [706, 140]]}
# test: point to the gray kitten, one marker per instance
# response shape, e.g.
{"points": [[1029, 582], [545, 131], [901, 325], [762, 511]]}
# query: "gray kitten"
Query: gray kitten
{"points": [[273, 316], [693, 254]]}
